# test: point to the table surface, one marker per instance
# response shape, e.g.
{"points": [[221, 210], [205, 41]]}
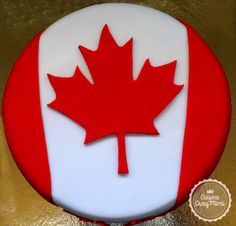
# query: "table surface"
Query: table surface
{"points": [[20, 20]]}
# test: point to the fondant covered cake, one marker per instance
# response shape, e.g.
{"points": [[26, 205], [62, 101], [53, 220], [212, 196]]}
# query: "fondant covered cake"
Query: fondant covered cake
{"points": [[116, 111]]}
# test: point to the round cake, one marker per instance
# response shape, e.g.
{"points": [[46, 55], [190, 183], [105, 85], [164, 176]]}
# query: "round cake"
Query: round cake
{"points": [[116, 111]]}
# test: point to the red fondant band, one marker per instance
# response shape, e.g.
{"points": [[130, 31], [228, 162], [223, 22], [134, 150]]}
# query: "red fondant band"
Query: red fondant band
{"points": [[23, 120], [208, 116]]}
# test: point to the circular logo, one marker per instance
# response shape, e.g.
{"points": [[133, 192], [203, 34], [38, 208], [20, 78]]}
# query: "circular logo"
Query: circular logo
{"points": [[210, 200]]}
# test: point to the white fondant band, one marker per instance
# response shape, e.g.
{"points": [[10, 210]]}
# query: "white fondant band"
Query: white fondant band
{"points": [[84, 177]]}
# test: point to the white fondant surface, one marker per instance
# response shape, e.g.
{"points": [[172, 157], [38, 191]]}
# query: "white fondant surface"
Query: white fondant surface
{"points": [[84, 177]]}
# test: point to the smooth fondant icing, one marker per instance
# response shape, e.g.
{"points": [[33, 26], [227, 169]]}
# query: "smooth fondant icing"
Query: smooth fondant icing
{"points": [[102, 191], [83, 178]]}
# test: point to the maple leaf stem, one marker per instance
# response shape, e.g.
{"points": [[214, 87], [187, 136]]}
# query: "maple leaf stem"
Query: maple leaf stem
{"points": [[122, 160]]}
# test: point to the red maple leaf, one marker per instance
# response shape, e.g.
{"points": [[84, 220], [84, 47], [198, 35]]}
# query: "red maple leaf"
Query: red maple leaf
{"points": [[115, 103]]}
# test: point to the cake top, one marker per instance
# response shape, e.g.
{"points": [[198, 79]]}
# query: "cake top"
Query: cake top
{"points": [[112, 118]]}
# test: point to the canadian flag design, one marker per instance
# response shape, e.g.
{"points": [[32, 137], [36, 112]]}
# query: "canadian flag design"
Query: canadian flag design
{"points": [[49, 147]]}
